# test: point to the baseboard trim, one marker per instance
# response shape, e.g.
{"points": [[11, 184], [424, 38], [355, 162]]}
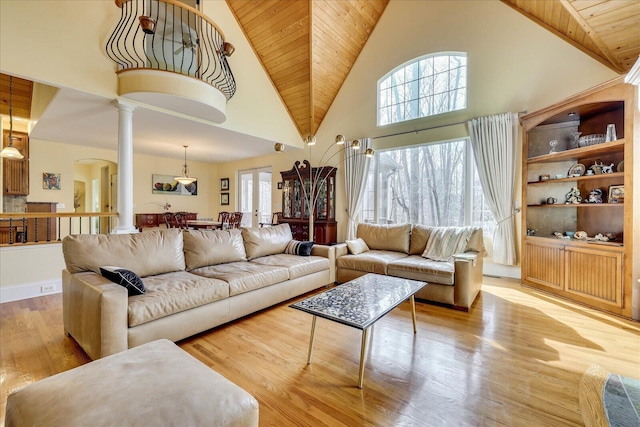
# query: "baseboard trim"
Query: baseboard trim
{"points": [[30, 290]]}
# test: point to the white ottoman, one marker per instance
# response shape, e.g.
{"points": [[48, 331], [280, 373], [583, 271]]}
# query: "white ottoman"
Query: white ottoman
{"points": [[155, 384]]}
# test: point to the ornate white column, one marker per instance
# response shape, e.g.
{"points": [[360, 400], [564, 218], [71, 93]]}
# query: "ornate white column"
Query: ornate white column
{"points": [[125, 168]]}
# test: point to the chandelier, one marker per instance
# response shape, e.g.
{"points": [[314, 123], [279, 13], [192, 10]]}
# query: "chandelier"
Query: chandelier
{"points": [[185, 179]]}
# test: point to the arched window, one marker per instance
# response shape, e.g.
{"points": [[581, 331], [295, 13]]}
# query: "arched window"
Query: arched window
{"points": [[426, 86]]}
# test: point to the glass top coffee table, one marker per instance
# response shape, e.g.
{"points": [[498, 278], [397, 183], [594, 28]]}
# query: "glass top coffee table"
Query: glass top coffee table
{"points": [[359, 304]]}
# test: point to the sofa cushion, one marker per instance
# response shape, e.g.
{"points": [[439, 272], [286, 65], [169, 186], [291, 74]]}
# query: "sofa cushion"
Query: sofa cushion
{"points": [[476, 241], [298, 266], [394, 237], [245, 276], [211, 247], [357, 246], [124, 277], [419, 237], [171, 293], [296, 247], [447, 241], [149, 253], [266, 241], [373, 261], [416, 267]]}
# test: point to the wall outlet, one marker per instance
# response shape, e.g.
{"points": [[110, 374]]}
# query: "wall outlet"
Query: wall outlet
{"points": [[60, 206], [47, 288]]}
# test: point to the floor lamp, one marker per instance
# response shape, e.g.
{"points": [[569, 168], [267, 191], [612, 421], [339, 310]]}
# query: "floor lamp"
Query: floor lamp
{"points": [[317, 180]]}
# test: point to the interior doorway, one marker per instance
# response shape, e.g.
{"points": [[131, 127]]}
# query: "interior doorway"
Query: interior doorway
{"points": [[255, 196]]}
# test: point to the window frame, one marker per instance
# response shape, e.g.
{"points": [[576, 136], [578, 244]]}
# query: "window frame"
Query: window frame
{"points": [[420, 88], [468, 180]]}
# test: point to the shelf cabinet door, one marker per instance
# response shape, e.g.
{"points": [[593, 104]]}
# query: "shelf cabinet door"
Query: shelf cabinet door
{"points": [[595, 274], [544, 264], [15, 173]]}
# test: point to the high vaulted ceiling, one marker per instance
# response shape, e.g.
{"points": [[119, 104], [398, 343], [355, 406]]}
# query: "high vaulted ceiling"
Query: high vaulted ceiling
{"points": [[607, 30], [307, 48]]}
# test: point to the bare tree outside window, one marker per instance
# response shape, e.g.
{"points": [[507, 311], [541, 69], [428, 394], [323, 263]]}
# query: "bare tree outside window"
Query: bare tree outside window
{"points": [[431, 84], [425, 185]]}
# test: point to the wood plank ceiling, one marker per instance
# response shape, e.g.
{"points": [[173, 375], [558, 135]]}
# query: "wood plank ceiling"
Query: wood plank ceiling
{"points": [[607, 30], [307, 48], [22, 92]]}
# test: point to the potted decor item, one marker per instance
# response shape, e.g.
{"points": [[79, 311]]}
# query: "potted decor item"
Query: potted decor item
{"points": [[148, 25]]}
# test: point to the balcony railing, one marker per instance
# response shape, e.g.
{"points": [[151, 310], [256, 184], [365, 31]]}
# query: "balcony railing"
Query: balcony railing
{"points": [[39, 228], [170, 36]]}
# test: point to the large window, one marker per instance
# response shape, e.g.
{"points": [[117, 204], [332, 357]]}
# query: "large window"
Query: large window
{"points": [[432, 184], [426, 86]]}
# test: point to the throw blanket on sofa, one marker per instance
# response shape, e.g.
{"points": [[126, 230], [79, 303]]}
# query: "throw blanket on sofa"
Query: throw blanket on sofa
{"points": [[447, 241]]}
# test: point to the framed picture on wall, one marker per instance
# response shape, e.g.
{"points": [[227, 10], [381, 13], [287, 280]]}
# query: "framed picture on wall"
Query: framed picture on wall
{"points": [[224, 184], [224, 198], [50, 181]]}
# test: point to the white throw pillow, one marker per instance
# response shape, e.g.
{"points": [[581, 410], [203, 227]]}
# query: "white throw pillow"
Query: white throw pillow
{"points": [[357, 246], [446, 241]]}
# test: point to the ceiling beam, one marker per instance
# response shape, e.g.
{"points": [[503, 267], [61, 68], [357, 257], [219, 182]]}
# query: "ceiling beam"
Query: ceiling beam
{"points": [[613, 62]]}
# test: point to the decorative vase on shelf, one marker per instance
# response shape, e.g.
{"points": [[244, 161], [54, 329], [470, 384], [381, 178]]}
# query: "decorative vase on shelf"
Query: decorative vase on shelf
{"points": [[553, 143]]}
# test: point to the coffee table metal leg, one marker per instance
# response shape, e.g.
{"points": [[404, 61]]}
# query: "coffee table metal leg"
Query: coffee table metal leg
{"points": [[313, 335], [363, 348], [413, 313]]}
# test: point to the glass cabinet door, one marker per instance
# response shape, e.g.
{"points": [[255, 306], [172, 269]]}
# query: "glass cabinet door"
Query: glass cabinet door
{"points": [[321, 205], [286, 199]]}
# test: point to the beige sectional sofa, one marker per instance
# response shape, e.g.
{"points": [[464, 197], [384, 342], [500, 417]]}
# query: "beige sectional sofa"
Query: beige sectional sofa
{"points": [[195, 280], [397, 250]]}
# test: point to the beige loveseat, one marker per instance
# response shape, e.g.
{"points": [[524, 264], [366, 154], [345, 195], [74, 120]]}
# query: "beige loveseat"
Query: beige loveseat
{"points": [[195, 280], [396, 250]]}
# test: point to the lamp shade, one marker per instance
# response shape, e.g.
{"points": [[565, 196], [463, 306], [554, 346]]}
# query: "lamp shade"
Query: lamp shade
{"points": [[11, 152], [185, 180]]}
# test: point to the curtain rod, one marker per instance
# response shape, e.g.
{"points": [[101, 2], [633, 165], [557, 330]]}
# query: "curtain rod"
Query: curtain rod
{"points": [[432, 127]]}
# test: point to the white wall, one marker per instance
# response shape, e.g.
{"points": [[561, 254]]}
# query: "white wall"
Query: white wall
{"points": [[62, 43]]}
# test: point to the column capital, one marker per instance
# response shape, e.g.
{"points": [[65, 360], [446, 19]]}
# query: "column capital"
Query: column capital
{"points": [[123, 105]]}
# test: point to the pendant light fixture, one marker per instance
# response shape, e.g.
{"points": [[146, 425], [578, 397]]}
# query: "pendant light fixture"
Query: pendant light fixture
{"points": [[185, 179], [11, 152]]}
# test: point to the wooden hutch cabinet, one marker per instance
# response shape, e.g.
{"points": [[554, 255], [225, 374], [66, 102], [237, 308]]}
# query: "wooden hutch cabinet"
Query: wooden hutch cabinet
{"points": [[591, 271], [295, 202], [15, 172]]}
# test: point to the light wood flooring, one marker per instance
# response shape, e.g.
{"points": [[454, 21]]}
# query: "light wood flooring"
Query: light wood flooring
{"points": [[515, 360]]}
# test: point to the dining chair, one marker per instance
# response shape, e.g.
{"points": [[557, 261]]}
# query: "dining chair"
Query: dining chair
{"points": [[275, 220], [223, 219], [235, 218]]}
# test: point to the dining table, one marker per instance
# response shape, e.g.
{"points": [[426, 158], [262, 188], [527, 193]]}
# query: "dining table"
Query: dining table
{"points": [[203, 224]]}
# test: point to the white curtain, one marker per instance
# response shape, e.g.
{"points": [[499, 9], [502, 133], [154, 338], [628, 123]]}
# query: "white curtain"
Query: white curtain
{"points": [[494, 140], [356, 167]]}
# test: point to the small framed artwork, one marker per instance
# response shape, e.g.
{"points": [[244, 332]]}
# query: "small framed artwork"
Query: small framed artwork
{"points": [[280, 185], [50, 181], [224, 184], [616, 194], [224, 199]]}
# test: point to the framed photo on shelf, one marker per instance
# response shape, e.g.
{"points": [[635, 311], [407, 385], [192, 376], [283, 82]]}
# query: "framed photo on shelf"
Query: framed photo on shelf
{"points": [[224, 184], [224, 199], [616, 194]]}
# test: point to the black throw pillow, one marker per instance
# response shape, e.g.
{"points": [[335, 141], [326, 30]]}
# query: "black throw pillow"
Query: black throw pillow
{"points": [[124, 277], [296, 247]]}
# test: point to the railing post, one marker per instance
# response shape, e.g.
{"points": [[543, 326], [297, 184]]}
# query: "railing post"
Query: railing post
{"points": [[10, 231]]}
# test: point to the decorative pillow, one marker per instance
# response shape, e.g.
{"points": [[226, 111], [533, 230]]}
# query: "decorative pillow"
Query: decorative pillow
{"points": [[357, 246], [444, 242], [124, 277], [296, 247]]}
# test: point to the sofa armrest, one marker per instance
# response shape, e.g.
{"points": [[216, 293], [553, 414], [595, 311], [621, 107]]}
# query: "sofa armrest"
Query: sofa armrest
{"points": [[341, 250], [330, 253], [95, 313], [467, 279]]}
